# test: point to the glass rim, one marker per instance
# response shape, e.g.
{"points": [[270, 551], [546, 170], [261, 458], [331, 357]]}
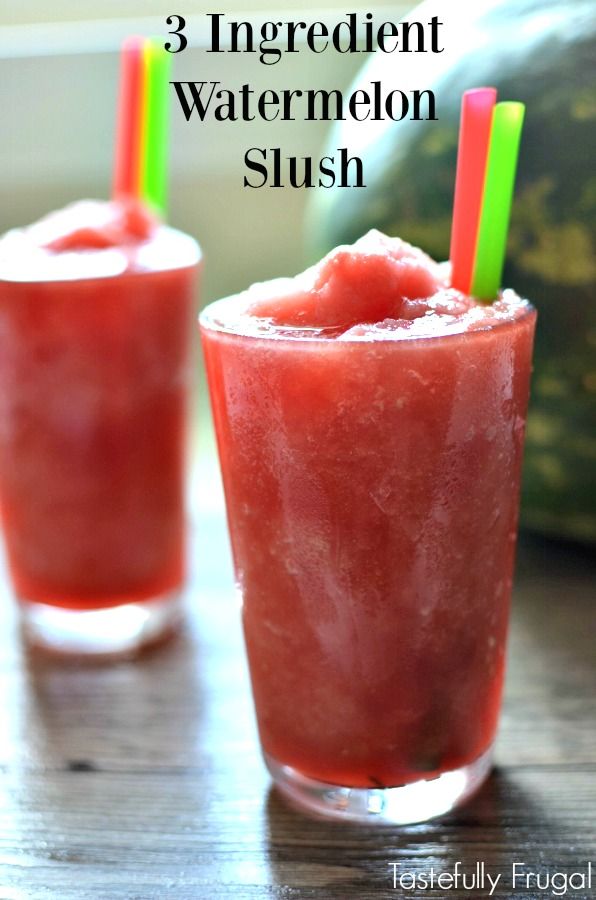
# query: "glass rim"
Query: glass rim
{"points": [[302, 336], [124, 261]]}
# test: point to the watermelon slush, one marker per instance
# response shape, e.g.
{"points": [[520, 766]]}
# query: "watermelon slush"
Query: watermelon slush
{"points": [[370, 425], [96, 306]]}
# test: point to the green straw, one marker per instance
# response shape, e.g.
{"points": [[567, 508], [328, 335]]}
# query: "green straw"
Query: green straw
{"points": [[491, 244], [155, 125]]}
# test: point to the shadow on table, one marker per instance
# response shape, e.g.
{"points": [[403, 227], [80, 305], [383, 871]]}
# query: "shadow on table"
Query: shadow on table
{"points": [[349, 861], [102, 757], [126, 713]]}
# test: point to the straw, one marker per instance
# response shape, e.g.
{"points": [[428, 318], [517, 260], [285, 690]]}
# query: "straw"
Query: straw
{"points": [[129, 119], [474, 136], [498, 195], [154, 145]]}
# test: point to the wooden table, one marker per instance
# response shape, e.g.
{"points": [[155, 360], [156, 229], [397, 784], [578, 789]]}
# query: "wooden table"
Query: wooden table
{"points": [[143, 779]]}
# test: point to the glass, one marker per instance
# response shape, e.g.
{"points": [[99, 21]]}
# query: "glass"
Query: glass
{"points": [[372, 494], [94, 386]]}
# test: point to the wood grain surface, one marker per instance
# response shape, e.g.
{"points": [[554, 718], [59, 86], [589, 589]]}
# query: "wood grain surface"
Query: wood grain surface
{"points": [[143, 779]]}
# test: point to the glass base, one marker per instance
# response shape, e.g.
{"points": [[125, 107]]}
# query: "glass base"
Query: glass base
{"points": [[120, 630], [404, 805]]}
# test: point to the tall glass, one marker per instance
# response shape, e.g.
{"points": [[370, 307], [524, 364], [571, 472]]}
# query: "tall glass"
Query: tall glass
{"points": [[372, 494], [95, 370]]}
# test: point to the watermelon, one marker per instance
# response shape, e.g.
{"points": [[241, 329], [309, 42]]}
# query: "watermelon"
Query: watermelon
{"points": [[542, 52]]}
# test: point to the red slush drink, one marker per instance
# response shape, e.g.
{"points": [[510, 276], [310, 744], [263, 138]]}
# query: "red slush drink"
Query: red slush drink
{"points": [[96, 306], [370, 424]]}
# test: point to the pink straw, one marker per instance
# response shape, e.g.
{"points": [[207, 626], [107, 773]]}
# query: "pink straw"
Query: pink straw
{"points": [[129, 120], [474, 137]]}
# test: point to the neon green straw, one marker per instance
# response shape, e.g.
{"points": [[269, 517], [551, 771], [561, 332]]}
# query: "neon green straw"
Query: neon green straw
{"points": [[155, 127], [496, 203]]}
